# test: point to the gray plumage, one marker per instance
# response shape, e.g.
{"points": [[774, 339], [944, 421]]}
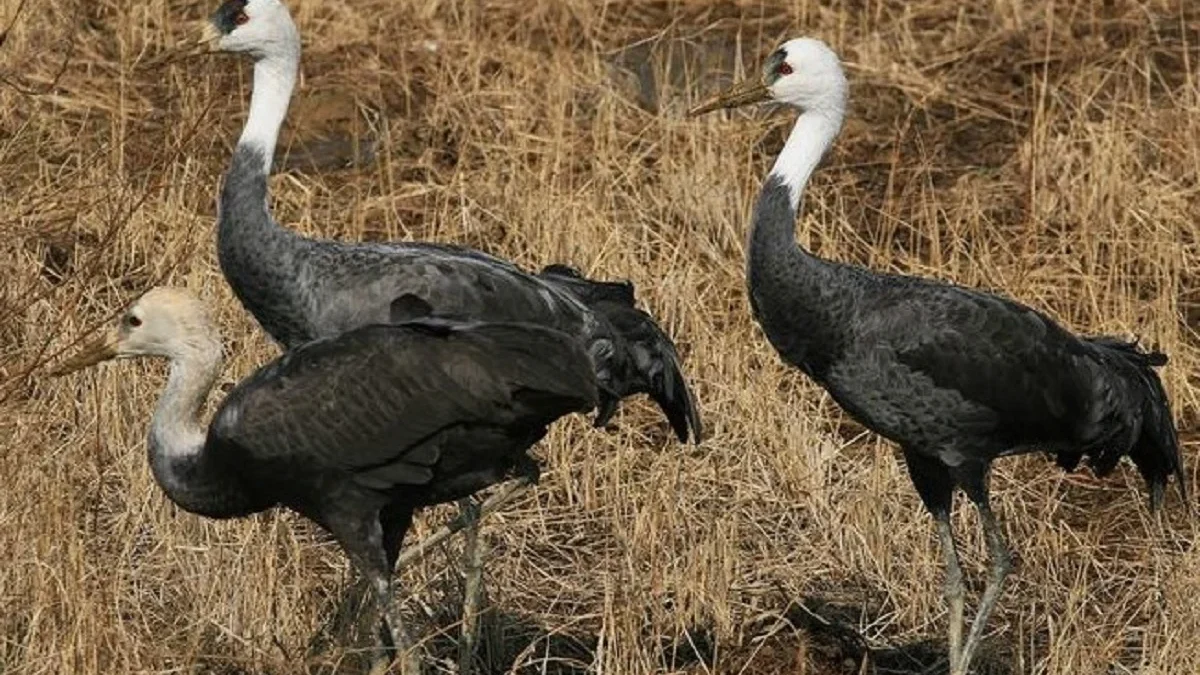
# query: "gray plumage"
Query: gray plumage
{"points": [[417, 413], [354, 432], [301, 289], [955, 376]]}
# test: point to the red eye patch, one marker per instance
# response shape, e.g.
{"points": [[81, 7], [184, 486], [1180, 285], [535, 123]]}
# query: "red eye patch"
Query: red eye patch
{"points": [[241, 18], [784, 69]]}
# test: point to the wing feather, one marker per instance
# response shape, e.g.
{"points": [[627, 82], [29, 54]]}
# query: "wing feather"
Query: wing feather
{"points": [[374, 401], [994, 352]]}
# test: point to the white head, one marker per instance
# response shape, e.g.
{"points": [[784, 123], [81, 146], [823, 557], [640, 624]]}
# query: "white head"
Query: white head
{"points": [[804, 73], [260, 28], [167, 322], [807, 74]]}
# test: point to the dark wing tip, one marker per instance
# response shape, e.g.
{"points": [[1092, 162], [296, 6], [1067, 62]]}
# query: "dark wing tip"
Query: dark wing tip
{"points": [[606, 410], [675, 397], [1181, 486], [693, 422], [1158, 494]]}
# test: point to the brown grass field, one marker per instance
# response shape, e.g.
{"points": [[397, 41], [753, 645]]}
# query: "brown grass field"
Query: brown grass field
{"points": [[1049, 150]]}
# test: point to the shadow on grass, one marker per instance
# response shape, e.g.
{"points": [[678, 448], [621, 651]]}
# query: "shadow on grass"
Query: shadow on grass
{"points": [[832, 644], [809, 636], [509, 642]]}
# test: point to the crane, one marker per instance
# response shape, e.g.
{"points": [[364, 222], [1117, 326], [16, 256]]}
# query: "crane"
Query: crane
{"points": [[955, 376], [300, 289], [354, 432]]}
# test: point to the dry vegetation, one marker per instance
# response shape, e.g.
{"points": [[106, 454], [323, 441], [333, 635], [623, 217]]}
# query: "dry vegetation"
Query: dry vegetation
{"points": [[1046, 149]]}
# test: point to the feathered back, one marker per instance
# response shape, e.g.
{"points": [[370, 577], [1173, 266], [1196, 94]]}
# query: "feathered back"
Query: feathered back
{"points": [[385, 402]]}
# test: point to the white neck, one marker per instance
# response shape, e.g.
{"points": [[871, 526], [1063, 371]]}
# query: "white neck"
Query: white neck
{"points": [[274, 79], [812, 135], [175, 430]]}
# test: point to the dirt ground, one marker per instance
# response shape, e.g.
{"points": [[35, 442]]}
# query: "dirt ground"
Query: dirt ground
{"points": [[1048, 150]]}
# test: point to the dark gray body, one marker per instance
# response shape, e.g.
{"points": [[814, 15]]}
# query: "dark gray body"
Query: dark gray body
{"points": [[357, 431], [302, 289], [956, 376]]}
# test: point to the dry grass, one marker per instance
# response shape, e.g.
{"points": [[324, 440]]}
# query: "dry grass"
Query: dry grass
{"points": [[1046, 149]]}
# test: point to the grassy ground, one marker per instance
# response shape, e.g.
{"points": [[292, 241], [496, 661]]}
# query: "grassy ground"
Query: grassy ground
{"points": [[1049, 150]]}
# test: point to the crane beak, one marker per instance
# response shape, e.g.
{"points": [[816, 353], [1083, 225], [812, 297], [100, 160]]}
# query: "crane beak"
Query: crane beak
{"points": [[204, 38], [740, 94], [102, 348]]}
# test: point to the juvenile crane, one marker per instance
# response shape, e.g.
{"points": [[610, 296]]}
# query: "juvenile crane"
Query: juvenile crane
{"points": [[353, 432], [957, 377], [300, 289]]}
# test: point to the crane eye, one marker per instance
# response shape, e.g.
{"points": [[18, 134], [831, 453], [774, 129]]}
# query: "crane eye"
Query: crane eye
{"points": [[784, 69], [132, 321], [240, 18]]}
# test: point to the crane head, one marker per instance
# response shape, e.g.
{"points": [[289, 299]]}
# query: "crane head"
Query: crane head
{"points": [[167, 322], [804, 73], [260, 28]]}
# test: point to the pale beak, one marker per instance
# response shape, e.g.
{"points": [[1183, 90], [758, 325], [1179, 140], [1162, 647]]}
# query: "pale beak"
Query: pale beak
{"points": [[100, 349], [740, 94], [203, 38]]}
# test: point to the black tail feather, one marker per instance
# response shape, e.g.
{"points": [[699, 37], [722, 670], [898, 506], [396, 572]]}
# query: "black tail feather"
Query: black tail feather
{"points": [[608, 408], [1155, 450], [657, 361], [640, 357], [1159, 440]]}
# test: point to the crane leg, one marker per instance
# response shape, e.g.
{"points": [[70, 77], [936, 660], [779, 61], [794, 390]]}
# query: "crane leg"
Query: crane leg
{"points": [[1001, 565], [935, 483], [954, 591], [372, 542], [500, 497], [473, 585], [410, 661]]}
